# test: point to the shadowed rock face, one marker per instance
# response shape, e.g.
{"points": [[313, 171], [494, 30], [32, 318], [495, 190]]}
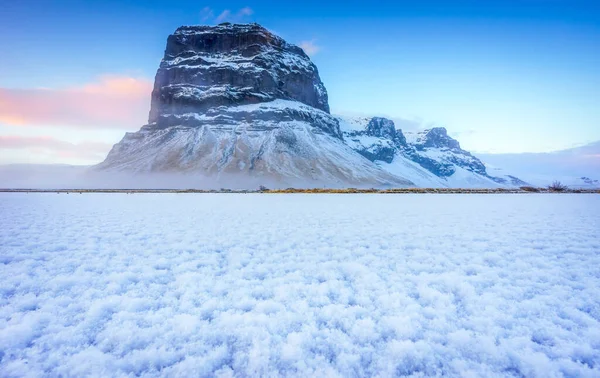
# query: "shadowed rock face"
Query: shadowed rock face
{"points": [[393, 142], [432, 149], [227, 65], [388, 142], [381, 127], [437, 137]]}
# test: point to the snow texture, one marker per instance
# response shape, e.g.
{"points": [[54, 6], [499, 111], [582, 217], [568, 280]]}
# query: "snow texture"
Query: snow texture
{"points": [[299, 285]]}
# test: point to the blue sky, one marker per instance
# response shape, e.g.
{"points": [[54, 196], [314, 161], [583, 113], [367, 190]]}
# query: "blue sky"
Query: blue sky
{"points": [[502, 76]]}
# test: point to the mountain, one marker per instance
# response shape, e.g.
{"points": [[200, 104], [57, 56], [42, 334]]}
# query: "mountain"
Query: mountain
{"points": [[430, 158], [577, 167], [238, 101], [236, 106]]}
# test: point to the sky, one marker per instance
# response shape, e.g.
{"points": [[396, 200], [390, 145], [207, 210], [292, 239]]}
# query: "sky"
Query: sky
{"points": [[502, 76]]}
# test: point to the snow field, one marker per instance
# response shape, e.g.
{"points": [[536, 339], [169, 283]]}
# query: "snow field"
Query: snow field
{"points": [[299, 285]]}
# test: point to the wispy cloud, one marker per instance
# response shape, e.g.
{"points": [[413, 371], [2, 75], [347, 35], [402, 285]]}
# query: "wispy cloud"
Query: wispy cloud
{"points": [[224, 16], [49, 146], [310, 47], [207, 15], [463, 133], [111, 102], [246, 11]]}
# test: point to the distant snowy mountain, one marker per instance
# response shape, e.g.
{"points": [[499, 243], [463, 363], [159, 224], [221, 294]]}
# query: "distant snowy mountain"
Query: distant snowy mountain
{"points": [[577, 167], [429, 158]]}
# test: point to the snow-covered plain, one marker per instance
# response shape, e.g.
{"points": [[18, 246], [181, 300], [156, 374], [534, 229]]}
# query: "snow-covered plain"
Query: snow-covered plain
{"points": [[299, 285]]}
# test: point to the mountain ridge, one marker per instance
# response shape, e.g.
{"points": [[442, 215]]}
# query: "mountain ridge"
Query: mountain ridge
{"points": [[429, 157]]}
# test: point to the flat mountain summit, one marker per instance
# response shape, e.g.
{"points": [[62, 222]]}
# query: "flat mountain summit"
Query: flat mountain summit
{"points": [[237, 101]]}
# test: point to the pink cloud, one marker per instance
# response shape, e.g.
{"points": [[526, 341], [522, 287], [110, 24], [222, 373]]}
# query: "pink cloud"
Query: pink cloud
{"points": [[111, 102], [59, 148]]}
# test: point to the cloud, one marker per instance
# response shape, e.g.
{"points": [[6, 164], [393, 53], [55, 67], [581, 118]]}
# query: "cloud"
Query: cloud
{"points": [[206, 14], [111, 102], [464, 133], [309, 47], [246, 11], [411, 125], [227, 15], [46, 145], [224, 16]]}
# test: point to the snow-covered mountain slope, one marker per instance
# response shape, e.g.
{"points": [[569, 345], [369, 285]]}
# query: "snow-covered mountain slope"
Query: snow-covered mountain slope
{"points": [[428, 158], [577, 167], [380, 145], [292, 152], [237, 100]]}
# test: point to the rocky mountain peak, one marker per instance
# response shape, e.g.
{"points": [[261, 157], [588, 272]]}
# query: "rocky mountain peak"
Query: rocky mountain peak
{"points": [[205, 67], [385, 128], [381, 127], [246, 39], [436, 137]]}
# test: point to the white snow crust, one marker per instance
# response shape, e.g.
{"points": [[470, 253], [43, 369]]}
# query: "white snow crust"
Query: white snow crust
{"points": [[162, 285]]}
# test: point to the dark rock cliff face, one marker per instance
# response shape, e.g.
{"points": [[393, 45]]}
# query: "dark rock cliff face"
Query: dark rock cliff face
{"points": [[386, 147], [437, 137], [381, 127], [454, 155], [228, 65]]}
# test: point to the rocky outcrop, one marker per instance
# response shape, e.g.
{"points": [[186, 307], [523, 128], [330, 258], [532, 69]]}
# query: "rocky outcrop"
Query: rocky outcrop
{"points": [[237, 99], [382, 127], [447, 150], [228, 65], [378, 141], [433, 150], [436, 137]]}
